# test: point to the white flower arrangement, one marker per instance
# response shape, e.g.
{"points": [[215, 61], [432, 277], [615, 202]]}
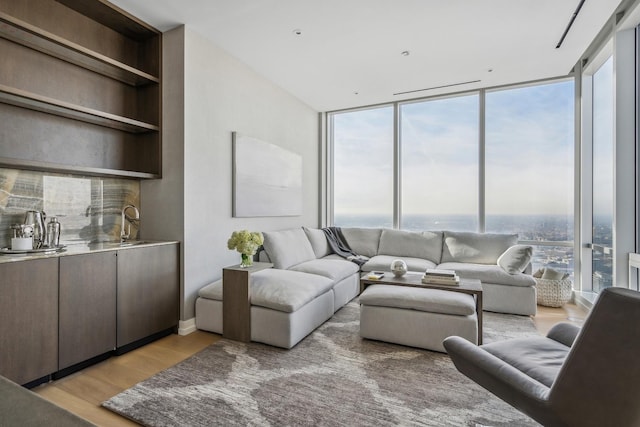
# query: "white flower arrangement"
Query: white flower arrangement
{"points": [[247, 243]]}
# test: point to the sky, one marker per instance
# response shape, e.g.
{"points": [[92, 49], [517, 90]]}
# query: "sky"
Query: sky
{"points": [[529, 154]]}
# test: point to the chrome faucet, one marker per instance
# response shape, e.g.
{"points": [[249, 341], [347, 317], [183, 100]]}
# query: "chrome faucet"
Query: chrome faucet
{"points": [[127, 221]]}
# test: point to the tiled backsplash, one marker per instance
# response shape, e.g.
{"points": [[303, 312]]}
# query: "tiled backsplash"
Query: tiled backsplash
{"points": [[87, 208]]}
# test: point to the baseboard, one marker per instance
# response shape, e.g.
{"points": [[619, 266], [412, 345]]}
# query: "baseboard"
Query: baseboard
{"points": [[185, 327]]}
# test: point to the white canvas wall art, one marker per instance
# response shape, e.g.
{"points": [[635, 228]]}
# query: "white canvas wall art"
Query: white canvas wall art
{"points": [[267, 179]]}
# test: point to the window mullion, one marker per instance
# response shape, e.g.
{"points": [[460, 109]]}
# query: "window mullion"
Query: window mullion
{"points": [[481, 162], [397, 170]]}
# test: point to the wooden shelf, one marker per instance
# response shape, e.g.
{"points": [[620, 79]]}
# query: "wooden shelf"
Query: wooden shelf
{"points": [[80, 170], [113, 17], [43, 41], [32, 101]]}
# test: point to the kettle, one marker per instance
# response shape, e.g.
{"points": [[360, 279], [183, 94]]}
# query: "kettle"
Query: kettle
{"points": [[36, 219]]}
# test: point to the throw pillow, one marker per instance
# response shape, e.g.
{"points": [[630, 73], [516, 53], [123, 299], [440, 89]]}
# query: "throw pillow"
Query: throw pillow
{"points": [[287, 248], [551, 274], [516, 258]]}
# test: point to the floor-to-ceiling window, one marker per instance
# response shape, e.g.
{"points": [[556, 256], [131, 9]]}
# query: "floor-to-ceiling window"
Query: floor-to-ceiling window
{"points": [[363, 167], [597, 122], [608, 153], [439, 144], [491, 160], [602, 177], [529, 158]]}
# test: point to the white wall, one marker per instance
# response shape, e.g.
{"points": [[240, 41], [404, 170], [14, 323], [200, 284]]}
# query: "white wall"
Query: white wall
{"points": [[222, 95]]}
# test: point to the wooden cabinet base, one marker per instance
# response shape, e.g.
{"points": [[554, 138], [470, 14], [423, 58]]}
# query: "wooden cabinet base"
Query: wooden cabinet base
{"points": [[62, 314], [148, 292], [29, 319], [87, 307]]}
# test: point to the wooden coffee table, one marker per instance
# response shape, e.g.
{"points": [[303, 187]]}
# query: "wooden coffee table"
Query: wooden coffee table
{"points": [[414, 279]]}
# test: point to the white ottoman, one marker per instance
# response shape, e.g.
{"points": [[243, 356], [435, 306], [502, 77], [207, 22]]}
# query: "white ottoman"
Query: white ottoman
{"points": [[417, 317]]}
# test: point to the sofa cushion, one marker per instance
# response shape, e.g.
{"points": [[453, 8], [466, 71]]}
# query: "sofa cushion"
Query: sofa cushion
{"points": [[479, 248], [430, 300], [318, 241], [426, 245], [363, 241], [383, 262], [286, 290], [488, 274], [212, 291], [287, 248], [516, 258], [334, 269], [334, 256], [281, 290]]}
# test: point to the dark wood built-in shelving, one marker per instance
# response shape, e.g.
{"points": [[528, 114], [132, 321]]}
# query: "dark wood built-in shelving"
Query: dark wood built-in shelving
{"points": [[113, 17], [21, 98], [80, 170], [92, 73], [31, 36]]}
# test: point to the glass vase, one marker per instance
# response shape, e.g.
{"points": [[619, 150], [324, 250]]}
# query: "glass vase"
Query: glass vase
{"points": [[247, 261]]}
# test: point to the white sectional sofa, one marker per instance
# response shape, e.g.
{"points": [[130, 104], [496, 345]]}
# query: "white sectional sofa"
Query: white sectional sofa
{"points": [[470, 255], [309, 283], [303, 290]]}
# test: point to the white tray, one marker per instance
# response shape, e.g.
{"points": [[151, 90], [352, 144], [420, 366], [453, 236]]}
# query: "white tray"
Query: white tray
{"points": [[9, 251]]}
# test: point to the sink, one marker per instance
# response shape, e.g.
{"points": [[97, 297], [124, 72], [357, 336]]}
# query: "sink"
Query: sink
{"points": [[132, 243], [111, 245]]}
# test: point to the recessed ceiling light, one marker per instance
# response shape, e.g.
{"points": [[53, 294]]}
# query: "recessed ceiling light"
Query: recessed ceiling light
{"points": [[297, 32], [405, 53]]}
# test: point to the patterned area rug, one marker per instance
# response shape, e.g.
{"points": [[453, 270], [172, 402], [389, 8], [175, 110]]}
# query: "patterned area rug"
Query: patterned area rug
{"points": [[331, 378]]}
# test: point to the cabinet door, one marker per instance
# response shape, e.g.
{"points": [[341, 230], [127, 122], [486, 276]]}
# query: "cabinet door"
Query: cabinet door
{"points": [[87, 307], [148, 291], [29, 319]]}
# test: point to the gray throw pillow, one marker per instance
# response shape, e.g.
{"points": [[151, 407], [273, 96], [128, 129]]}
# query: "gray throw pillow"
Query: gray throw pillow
{"points": [[516, 258]]}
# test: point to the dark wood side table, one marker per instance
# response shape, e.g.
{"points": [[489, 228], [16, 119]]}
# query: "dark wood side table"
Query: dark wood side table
{"points": [[236, 300]]}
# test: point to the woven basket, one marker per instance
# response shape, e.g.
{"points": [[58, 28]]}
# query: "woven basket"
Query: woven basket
{"points": [[553, 293]]}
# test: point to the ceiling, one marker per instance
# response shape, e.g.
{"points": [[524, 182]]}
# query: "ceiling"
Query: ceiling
{"points": [[349, 52]]}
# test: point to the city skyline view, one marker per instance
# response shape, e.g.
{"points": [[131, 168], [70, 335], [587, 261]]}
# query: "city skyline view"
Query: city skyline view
{"points": [[547, 229]]}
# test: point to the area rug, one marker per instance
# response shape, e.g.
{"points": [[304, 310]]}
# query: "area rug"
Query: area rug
{"points": [[331, 378]]}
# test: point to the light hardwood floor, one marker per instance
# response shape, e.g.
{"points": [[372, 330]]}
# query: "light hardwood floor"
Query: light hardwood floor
{"points": [[82, 392]]}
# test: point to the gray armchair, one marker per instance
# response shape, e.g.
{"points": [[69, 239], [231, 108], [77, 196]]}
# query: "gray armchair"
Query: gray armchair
{"points": [[572, 377]]}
